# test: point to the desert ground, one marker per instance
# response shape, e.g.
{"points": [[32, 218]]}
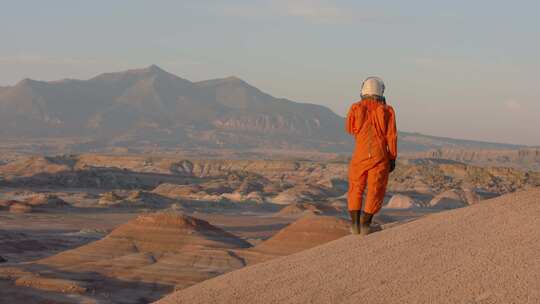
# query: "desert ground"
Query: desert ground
{"points": [[104, 228], [177, 152], [469, 255]]}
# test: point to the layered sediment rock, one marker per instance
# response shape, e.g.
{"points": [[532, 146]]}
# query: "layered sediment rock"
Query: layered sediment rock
{"points": [[166, 249], [20, 208], [450, 199], [306, 232]]}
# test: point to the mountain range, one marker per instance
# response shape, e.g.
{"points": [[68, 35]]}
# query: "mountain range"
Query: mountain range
{"points": [[152, 106]]}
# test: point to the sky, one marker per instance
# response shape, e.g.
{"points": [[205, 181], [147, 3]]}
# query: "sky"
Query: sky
{"points": [[463, 69]]}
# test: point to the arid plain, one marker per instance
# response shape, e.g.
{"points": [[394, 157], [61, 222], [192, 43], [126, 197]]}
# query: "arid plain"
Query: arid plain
{"points": [[96, 228]]}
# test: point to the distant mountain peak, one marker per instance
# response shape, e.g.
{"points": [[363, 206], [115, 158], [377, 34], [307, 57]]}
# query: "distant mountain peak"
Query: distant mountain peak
{"points": [[233, 78], [27, 81], [230, 80], [149, 70], [236, 80], [155, 69]]}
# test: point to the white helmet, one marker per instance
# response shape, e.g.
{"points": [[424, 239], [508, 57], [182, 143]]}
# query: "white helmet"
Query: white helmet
{"points": [[372, 86]]}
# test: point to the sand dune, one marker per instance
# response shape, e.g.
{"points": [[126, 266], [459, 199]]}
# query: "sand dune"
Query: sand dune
{"points": [[485, 253]]}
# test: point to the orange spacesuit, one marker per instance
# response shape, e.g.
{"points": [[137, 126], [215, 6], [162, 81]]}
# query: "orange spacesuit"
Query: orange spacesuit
{"points": [[373, 124]]}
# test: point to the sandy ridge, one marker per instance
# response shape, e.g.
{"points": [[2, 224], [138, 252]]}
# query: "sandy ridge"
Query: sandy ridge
{"points": [[486, 253]]}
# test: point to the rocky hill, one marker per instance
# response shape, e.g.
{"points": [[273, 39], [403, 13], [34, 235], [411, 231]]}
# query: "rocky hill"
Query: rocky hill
{"points": [[278, 181], [307, 232], [523, 158], [153, 105], [153, 108], [145, 258]]}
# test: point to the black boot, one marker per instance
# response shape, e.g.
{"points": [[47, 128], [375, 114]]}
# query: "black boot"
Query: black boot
{"points": [[365, 223], [355, 221]]}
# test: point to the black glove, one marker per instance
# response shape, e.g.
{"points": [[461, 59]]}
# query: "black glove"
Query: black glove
{"points": [[392, 165]]}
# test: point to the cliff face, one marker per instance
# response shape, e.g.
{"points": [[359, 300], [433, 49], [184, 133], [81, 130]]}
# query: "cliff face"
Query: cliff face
{"points": [[524, 158], [309, 178]]}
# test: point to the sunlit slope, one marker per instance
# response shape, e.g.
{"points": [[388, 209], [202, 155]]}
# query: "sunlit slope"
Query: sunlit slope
{"points": [[485, 253]]}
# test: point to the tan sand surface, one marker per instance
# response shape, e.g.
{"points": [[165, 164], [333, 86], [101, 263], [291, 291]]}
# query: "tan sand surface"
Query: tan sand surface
{"points": [[485, 253]]}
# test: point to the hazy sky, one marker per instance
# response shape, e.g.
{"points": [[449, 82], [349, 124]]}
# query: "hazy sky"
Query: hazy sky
{"points": [[466, 69]]}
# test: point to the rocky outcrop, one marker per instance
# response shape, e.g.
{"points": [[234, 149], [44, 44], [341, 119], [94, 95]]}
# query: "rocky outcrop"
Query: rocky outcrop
{"points": [[400, 201], [300, 209], [239, 181], [109, 198], [177, 191], [33, 202], [214, 191], [49, 172], [524, 158], [135, 199], [46, 201], [29, 166], [18, 207], [4, 204], [450, 199], [165, 248], [434, 176], [301, 193]]}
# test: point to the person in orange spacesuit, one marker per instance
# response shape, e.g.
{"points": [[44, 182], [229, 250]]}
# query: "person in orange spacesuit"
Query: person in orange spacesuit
{"points": [[373, 125]]}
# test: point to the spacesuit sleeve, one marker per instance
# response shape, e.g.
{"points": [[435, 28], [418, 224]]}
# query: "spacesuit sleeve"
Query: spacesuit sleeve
{"points": [[353, 122], [392, 134]]}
